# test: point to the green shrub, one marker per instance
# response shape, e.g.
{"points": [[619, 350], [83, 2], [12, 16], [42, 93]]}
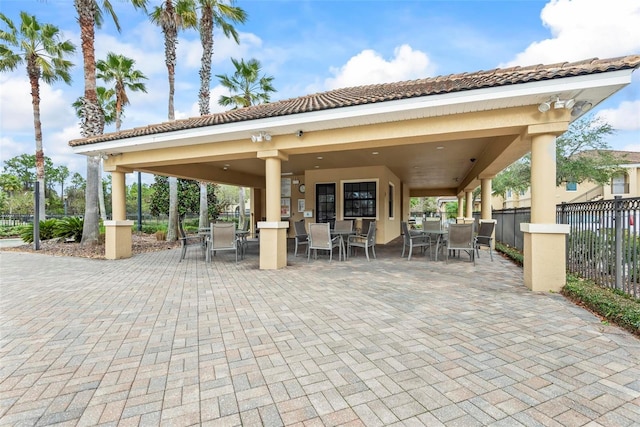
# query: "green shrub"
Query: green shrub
{"points": [[510, 252], [151, 228], [47, 230], [70, 227], [11, 231], [615, 306]]}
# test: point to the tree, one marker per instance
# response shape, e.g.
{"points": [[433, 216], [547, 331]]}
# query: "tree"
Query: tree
{"points": [[119, 70], [246, 87], [171, 18], [106, 101], [40, 47], [92, 123], [582, 154], [189, 193], [214, 13]]}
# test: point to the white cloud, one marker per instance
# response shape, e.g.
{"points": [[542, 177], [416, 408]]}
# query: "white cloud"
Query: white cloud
{"points": [[625, 117], [368, 67], [631, 147], [584, 29]]}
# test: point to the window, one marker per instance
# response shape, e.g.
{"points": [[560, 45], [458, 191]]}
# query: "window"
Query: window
{"points": [[326, 203], [390, 201], [359, 199], [572, 186], [509, 194], [619, 184]]}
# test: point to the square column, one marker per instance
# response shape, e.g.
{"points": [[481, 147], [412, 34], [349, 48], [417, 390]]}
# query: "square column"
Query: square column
{"points": [[117, 239], [545, 264], [544, 240], [273, 232]]}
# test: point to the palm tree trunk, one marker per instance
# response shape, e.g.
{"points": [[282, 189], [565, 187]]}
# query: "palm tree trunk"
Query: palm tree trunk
{"points": [[93, 118], [206, 39]]}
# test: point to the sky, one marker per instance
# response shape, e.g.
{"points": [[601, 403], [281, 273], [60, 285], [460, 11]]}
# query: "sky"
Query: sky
{"points": [[311, 46]]}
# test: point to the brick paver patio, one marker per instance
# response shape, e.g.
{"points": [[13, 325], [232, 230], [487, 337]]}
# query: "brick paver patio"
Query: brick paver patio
{"points": [[151, 341]]}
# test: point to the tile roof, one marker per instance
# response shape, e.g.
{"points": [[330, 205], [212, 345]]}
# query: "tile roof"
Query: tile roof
{"points": [[624, 157], [361, 95]]}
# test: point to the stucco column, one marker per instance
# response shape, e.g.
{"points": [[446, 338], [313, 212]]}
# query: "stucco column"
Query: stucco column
{"points": [[485, 189], [544, 240], [460, 217], [469, 204], [273, 232], [486, 209], [117, 243]]}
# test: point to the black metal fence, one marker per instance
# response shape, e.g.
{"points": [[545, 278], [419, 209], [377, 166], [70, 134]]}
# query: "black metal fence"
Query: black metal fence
{"points": [[603, 243]]}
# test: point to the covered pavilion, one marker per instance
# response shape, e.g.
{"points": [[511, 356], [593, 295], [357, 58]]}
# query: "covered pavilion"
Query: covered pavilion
{"points": [[363, 152]]}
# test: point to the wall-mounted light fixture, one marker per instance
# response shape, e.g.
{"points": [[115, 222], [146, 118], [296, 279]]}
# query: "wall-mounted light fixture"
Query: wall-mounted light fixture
{"points": [[581, 107], [557, 104], [261, 136]]}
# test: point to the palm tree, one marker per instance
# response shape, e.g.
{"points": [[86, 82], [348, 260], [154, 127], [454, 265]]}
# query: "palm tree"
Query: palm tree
{"points": [[119, 69], [245, 85], [212, 13], [43, 51], [172, 18], [92, 123], [107, 102], [246, 88]]}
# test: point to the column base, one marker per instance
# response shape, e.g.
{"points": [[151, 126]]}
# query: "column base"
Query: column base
{"points": [[273, 244], [117, 239], [545, 262]]}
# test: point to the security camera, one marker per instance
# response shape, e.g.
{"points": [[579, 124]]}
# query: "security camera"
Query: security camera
{"points": [[299, 133], [473, 159]]}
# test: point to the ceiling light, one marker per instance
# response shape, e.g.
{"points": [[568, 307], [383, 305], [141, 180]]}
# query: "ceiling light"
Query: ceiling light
{"points": [[375, 152], [439, 147], [319, 157]]}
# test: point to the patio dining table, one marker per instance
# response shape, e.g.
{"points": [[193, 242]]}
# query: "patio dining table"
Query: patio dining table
{"points": [[343, 234], [439, 236]]}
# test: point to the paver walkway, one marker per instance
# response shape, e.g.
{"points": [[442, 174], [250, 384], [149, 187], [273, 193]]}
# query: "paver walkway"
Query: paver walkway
{"points": [[151, 341]]}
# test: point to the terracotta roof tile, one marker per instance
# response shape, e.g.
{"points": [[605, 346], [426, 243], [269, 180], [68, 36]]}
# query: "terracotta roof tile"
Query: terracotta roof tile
{"points": [[361, 95]]}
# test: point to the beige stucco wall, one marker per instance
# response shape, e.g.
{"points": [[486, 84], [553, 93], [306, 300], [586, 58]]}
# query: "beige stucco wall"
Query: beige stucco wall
{"points": [[387, 228], [562, 195]]}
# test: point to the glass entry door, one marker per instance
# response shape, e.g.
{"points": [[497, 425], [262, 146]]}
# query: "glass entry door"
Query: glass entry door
{"points": [[326, 203]]}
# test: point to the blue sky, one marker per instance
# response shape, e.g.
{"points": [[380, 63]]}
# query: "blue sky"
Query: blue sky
{"points": [[316, 45]]}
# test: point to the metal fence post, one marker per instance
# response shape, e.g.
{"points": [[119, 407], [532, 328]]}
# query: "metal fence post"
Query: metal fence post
{"points": [[618, 241], [36, 217]]}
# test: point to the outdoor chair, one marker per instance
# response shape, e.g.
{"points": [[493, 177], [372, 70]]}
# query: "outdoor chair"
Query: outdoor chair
{"points": [[301, 238], [223, 238], [186, 240], [320, 239], [343, 226], [364, 241], [485, 236], [460, 238], [414, 239]]}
